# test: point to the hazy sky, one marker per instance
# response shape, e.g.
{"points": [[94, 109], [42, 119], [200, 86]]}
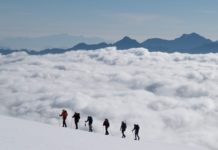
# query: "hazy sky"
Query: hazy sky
{"points": [[109, 19]]}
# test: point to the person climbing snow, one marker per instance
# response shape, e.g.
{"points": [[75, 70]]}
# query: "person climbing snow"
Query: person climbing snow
{"points": [[89, 120], [107, 125], [64, 115], [76, 117], [123, 128], [136, 129]]}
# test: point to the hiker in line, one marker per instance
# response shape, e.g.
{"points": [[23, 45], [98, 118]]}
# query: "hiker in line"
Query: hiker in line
{"points": [[136, 129], [76, 117], [64, 117], [89, 120], [106, 124], [123, 128]]}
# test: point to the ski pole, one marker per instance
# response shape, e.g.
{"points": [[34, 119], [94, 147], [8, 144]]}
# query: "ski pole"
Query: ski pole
{"points": [[59, 121], [71, 123]]}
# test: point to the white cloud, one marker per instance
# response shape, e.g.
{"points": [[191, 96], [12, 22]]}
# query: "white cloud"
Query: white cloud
{"points": [[172, 96]]}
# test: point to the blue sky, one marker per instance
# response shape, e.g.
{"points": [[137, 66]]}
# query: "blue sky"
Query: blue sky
{"points": [[109, 19]]}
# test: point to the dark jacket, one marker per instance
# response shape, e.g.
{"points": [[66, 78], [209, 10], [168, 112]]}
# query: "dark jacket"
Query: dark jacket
{"points": [[106, 123], [89, 120], [76, 116], [136, 128], [123, 126]]}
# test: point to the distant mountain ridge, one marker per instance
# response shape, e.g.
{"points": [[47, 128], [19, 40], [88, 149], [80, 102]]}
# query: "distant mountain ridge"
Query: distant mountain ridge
{"points": [[44, 42], [187, 43], [84, 46]]}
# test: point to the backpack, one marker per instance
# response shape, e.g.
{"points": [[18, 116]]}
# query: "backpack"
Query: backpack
{"points": [[124, 125], [137, 127], [90, 119], [78, 115], [106, 123]]}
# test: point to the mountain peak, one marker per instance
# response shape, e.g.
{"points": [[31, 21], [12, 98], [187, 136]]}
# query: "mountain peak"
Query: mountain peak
{"points": [[191, 36], [189, 41], [126, 38], [84, 46], [126, 43]]}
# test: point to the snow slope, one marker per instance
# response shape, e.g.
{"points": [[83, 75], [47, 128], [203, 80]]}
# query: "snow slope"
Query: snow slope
{"points": [[25, 135], [173, 97]]}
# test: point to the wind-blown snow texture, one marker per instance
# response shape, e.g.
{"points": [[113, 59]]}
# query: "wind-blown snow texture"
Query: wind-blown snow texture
{"points": [[36, 136], [172, 96]]}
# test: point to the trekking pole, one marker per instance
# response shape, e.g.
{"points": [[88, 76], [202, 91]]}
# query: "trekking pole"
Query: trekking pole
{"points": [[67, 122], [71, 123], [103, 129], [59, 121]]}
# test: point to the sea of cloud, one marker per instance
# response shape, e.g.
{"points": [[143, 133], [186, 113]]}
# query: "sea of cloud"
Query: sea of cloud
{"points": [[173, 97]]}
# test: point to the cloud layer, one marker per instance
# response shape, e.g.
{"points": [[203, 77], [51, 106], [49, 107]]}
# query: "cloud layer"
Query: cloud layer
{"points": [[172, 96]]}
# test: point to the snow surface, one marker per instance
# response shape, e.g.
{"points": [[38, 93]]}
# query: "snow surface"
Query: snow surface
{"points": [[25, 135], [173, 97]]}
